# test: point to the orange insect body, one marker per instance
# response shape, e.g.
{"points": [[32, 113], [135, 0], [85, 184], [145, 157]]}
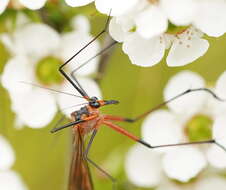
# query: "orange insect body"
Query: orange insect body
{"points": [[80, 178], [91, 117]]}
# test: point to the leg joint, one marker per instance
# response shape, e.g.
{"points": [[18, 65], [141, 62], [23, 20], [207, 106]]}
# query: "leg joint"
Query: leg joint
{"points": [[145, 143], [129, 120]]}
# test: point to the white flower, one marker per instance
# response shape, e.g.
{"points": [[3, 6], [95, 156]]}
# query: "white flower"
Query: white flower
{"points": [[36, 60], [179, 165], [211, 182], [179, 12], [3, 5], [185, 47], [116, 7], [207, 182], [9, 179], [215, 25], [7, 155], [143, 167], [194, 117], [150, 27], [31, 4], [78, 3]]}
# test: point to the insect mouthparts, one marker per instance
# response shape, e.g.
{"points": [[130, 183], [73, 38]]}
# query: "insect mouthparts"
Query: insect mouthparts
{"points": [[111, 102]]}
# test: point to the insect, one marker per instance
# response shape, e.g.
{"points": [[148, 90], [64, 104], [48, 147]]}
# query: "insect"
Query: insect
{"points": [[88, 119]]}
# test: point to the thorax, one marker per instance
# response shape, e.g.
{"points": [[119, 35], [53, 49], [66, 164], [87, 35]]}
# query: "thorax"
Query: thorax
{"points": [[83, 114]]}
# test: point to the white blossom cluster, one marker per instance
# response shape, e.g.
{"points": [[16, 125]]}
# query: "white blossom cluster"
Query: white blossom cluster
{"points": [[34, 106], [149, 27], [176, 125]]}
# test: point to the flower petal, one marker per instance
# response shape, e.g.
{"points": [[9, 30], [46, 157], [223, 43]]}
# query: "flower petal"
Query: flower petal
{"points": [[3, 5], [167, 186], [134, 46], [161, 128], [10, 180], [80, 23], [16, 70], [40, 108], [8, 43], [116, 7], [7, 155], [33, 4], [179, 12], [168, 39], [43, 44], [213, 107], [78, 3], [219, 130], [127, 21], [215, 25], [217, 157], [143, 167], [151, 22], [189, 103], [66, 102], [72, 43], [183, 163], [116, 30], [19, 124], [120, 27], [22, 19], [186, 49], [219, 107], [220, 85], [210, 183]]}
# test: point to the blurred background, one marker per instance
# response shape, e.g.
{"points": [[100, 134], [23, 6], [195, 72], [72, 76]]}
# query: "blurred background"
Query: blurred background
{"points": [[42, 158]]}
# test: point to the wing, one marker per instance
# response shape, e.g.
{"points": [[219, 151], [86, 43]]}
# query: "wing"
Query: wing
{"points": [[80, 178]]}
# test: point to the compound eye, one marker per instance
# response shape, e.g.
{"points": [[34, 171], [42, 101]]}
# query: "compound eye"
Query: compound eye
{"points": [[95, 104], [94, 99]]}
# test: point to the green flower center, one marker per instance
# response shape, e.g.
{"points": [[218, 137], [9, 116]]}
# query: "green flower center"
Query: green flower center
{"points": [[173, 29], [199, 128], [47, 71]]}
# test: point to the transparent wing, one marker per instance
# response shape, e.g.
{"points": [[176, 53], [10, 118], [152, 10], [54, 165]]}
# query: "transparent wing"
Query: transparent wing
{"points": [[80, 177]]}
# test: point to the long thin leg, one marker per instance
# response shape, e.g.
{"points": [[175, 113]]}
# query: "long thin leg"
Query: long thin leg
{"points": [[93, 163], [131, 120], [135, 138], [59, 122], [66, 125], [77, 86], [86, 62], [121, 130], [73, 123]]}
